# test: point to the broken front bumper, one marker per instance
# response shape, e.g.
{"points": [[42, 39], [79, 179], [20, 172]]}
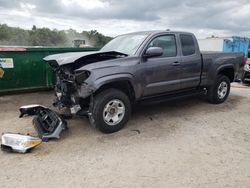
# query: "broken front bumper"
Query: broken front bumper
{"points": [[48, 123]]}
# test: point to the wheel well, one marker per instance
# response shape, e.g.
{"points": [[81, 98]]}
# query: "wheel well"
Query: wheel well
{"points": [[124, 86], [229, 72]]}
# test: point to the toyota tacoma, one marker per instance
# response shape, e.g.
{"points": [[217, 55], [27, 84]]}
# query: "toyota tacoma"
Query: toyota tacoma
{"points": [[136, 67]]}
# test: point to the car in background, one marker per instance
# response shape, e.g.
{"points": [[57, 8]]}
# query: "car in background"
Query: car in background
{"points": [[246, 74]]}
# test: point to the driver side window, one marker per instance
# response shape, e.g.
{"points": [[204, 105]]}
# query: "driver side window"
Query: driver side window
{"points": [[167, 43]]}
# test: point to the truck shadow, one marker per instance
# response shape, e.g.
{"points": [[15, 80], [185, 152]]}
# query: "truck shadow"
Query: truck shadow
{"points": [[181, 109], [190, 103]]}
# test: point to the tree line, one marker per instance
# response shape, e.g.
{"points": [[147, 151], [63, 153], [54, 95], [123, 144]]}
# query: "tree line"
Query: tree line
{"points": [[15, 36]]}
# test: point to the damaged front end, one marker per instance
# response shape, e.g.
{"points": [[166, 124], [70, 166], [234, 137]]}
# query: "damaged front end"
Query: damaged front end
{"points": [[71, 89], [72, 92], [75, 81]]}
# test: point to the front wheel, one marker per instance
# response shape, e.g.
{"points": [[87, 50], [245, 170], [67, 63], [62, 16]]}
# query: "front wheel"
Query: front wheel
{"points": [[111, 110], [219, 92]]}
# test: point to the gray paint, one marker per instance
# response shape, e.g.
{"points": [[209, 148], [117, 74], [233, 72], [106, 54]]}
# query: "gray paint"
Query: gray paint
{"points": [[156, 75]]}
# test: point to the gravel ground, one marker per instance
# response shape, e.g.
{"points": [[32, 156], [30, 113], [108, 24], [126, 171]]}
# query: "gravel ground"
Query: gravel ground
{"points": [[188, 143]]}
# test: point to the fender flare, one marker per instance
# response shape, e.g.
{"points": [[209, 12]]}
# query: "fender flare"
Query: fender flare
{"points": [[116, 78], [213, 74], [222, 67]]}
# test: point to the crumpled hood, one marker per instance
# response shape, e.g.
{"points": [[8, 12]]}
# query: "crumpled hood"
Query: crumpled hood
{"points": [[83, 57], [65, 58]]}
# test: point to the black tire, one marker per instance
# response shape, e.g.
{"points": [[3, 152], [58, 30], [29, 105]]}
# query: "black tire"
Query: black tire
{"points": [[246, 82], [100, 101], [212, 94]]}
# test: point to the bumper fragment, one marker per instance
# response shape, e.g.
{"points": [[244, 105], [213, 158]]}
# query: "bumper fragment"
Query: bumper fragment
{"points": [[48, 123]]}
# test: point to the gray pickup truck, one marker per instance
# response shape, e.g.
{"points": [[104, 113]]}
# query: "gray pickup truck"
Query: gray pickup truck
{"points": [[137, 67]]}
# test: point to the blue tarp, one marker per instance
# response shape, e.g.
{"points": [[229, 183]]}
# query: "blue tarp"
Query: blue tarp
{"points": [[237, 44]]}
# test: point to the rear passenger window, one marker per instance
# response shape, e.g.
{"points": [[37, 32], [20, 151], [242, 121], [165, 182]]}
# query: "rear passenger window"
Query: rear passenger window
{"points": [[187, 44], [167, 43]]}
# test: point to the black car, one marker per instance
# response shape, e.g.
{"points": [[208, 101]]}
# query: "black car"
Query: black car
{"points": [[246, 73]]}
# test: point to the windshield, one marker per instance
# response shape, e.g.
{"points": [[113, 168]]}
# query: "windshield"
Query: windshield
{"points": [[126, 44]]}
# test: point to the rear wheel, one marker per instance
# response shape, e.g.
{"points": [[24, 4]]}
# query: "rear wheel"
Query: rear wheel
{"points": [[111, 110], [219, 92]]}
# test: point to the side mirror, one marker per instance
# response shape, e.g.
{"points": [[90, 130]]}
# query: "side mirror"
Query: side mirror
{"points": [[153, 52]]}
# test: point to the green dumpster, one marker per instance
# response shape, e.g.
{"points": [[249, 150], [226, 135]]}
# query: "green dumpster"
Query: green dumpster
{"points": [[23, 68]]}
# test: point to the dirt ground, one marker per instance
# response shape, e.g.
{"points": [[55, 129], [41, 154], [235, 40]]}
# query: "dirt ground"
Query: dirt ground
{"points": [[188, 143]]}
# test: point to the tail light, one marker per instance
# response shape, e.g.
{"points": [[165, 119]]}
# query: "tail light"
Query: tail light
{"points": [[245, 60]]}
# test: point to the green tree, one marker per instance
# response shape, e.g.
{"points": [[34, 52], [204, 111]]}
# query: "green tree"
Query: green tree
{"points": [[47, 37]]}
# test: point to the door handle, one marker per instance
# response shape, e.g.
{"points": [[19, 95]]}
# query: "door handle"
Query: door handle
{"points": [[176, 63]]}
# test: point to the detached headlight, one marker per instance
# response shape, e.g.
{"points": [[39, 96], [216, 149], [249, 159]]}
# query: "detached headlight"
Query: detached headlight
{"points": [[19, 143]]}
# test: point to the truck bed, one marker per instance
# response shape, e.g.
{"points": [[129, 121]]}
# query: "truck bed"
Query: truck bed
{"points": [[220, 59], [210, 54]]}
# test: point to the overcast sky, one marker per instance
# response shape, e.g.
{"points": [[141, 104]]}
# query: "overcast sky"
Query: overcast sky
{"points": [[114, 17]]}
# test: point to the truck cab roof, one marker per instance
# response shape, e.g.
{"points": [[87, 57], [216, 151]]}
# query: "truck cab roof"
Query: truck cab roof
{"points": [[153, 32]]}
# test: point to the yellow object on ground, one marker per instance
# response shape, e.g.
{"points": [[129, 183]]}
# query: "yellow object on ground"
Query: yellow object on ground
{"points": [[1, 72]]}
